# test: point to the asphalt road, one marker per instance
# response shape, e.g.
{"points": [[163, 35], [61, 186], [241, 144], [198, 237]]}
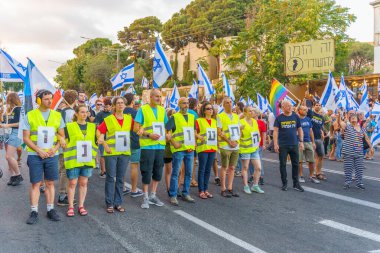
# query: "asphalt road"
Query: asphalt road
{"points": [[325, 218]]}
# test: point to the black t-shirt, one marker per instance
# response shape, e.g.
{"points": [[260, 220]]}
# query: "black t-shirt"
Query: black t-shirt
{"points": [[170, 125], [99, 118], [287, 129], [317, 121], [14, 116], [135, 144]]}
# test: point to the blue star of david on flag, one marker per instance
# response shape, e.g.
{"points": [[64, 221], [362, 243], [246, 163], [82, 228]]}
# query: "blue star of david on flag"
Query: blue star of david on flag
{"points": [[161, 66], [125, 76]]}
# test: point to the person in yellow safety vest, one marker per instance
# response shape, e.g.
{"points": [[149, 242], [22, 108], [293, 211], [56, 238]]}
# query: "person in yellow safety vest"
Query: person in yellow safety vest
{"points": [[43, 134], [79, 157], [150, 123], [117, 128], [228, 124], [249, 149], [207, 145], [180, 128]]}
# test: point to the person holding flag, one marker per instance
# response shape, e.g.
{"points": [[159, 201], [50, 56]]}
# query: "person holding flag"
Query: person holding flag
{"points": [[150, 123], [180, 128], [43, 134]]}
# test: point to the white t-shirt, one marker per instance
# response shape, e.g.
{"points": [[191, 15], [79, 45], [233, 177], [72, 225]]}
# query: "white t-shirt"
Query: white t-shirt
{"points": [[271, 119]]}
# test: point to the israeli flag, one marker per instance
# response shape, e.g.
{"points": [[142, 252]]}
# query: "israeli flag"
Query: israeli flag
{"points": [[262, 103], [290, 100], [227, 88], [122, 93], [167, 101], [375, 137], [329, 93], [220, 108], [131, 89], [174, 98], [161, 66], [376, 109], [268, 104], [10, 69], [250, 102], [125, 76], [144, 83], [243, 101], [92, 100], [193, 93], [205, 82]]}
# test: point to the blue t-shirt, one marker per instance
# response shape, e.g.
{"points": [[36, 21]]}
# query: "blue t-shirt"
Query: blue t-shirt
{"points": [[306, 126], [140, 119], [287, 129], [317, 121], [194, 113], [135, 144]]}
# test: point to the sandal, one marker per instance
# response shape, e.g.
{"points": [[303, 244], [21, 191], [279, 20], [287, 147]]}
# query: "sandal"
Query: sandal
{"points": [[194, 184], [202, 195], [321, 176], [110, 209], [82, 211], [120, 209], [209, 195], [70, 212]]}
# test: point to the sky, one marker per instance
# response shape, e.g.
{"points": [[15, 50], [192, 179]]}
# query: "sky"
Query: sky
{"points": [[47, 31]]}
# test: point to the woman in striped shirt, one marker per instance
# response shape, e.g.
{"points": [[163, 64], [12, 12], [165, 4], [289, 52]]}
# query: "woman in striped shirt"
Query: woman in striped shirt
{"points": [[353, 150]]}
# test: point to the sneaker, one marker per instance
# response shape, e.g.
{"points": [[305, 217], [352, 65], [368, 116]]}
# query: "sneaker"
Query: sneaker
{"points": [[145, 203], [179, 193], [63, 201], [137, 193], [314, 180], [174, 201], [1, 173], [53, 215], [233, 194], [126, 191], [247, 189], [261, 181], [154, 200], [301, 180], [284, 187], [250, 180], [102, 175], [257, 189], [237, 173], [360, 186], [33, 218], [225, 194], [298, 187], [188, 198], [11, 179], [17, 180], [217, 181], [42, 188]]}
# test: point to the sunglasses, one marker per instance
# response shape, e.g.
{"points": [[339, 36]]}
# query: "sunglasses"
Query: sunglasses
{"points": [[209, 108], [99, 104]]}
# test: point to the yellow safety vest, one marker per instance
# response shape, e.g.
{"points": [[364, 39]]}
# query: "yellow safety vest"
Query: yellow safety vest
{"points": [[178, 134], [203, 126], [226, 122], [149, 119], [250, 137], [75, 135], [36, 120], [113, 127]]}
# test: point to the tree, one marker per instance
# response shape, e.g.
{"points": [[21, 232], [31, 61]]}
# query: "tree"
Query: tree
{"points": [[257, 53], [360, 57], [204, 20], [141, 35], [10, 86], [218, 48]]}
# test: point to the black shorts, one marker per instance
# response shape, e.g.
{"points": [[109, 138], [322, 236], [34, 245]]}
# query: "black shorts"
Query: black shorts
{"points": [[168, 160], [151, 164]]}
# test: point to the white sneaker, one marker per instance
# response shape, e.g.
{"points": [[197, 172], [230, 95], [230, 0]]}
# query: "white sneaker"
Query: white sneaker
{"points": [[301, 180], [145, 204], [314, 180]]}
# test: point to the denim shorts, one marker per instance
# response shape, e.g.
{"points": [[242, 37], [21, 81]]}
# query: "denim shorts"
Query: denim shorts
{"points": [[135, 155], [40, 169], [13, 139], [77, 172], [251, 156], [101, 150]]}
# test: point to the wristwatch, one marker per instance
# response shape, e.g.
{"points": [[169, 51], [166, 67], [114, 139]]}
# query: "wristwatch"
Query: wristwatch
{"points": [[148, 135]]}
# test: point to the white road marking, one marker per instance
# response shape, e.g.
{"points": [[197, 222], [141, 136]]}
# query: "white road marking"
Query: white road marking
{"points": [[351, 230], [327, 170], [219, 232], [119, 238], [367, 161], [344, 198], [374, 251]]}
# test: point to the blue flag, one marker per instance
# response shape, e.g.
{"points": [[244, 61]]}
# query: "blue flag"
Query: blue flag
{"points": [[161, 66], [125, 76]]}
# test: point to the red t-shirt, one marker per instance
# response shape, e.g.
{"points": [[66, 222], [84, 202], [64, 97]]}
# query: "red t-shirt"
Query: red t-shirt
{"points": [[197, 128], [103, 127], [262, 129]]}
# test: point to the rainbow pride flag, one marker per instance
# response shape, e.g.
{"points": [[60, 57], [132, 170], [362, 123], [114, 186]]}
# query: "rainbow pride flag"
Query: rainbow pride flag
{"points": [[277, 93]]}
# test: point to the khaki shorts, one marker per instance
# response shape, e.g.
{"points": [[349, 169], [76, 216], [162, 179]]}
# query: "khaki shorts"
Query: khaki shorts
{"points": [[308, 153], [229, 157]]}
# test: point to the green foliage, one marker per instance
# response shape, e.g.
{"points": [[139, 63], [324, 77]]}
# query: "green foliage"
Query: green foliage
{"points": [[8, 86], [141, 35], [257, 54], [360, 58], [204, 20]]}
